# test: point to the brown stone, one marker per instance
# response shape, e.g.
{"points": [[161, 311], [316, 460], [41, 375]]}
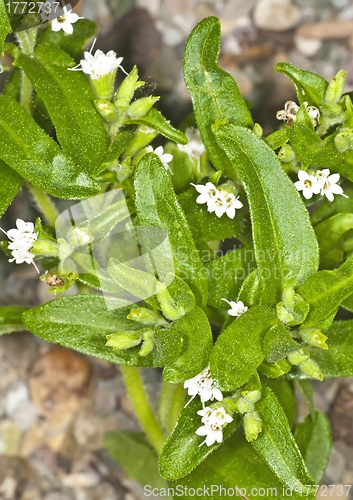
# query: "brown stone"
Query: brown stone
{"points": [[59, 382], [341, 416], [327, 30]]}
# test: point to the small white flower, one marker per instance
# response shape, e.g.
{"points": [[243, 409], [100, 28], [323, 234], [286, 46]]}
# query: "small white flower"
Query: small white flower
{"points": [[237, 308], [81, 236], [195, 147], [98, 65], [164, 157], [214, 421], [330, 187], [65, 21], [289, 113], [309, 184], [207, 193], [22, 240], [231, 204], [218, 204], [203, 385]]}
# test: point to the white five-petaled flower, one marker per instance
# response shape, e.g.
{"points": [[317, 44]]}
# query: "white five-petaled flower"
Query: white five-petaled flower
{"points": [[218, 201], [22, 240], [195, 147], [308, 184], [203, 385], [289, 113], [214, 420], [237, 308], [81, 236], [322, 182], [164, 157], [65, 21], [330, 187], [99, 64]]}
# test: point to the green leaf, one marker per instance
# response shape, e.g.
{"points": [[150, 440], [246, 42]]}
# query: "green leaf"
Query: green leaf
{"points": [[206, 226], [157, 205], [238, 350], [11, 319], [82, 323], [118, 144], [13, 85], [330, 230], [154, 119], [135, 456], [286, 252], [313, 437], [72, 44], [277, 445], [308, 146], [234, 465], [182, 167], [182, 451], [5, 26], [325, 290], [10, 184], [277, 139], [310, 87], [226, 275], [284, 391], [195, 330], [35, 156], [69, 99], [214, 93]]}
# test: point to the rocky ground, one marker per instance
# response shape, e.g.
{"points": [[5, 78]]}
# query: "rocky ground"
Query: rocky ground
{"points": [[56, 405]]}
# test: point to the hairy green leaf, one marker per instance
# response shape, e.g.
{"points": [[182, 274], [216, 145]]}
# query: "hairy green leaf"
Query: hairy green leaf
{"points": [[69, 99], [214, 93], [235, 467], [277, 445], [154, 119], [82, 322], [35, 156], [238, 350], [310, 87], [286, 252], [157, 205], [5, 26], [330, 230], [195, 330], [182, 451], [284, 391], [10, 184], [313, 437]]}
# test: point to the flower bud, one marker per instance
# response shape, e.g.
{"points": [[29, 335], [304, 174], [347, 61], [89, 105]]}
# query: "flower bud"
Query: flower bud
{"points": [[335, 88], [283, 314], [344, 140], [107, 110], [46, 248], [243, 406], [146, 316], [311, 368], [297, 357], [314, 337], [139, 108], [258, 131], [123, 340], [251, 396], [170, 309], [148, 342], [252, 425], [286, 154], [126, 90]]}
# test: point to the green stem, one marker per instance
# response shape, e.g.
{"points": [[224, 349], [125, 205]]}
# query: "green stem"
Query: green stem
{"points": [[44, 203], [27, 41], [138, 397], [170, 403]]}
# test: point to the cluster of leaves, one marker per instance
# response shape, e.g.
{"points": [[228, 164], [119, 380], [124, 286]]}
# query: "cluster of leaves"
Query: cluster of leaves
{"points": [[293, 271]]}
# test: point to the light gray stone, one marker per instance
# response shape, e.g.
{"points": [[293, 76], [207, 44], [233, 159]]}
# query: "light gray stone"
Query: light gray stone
{"points": [[276, 15]]}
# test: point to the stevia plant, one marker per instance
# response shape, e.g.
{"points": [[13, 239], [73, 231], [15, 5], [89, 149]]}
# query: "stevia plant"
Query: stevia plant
{"points": [[238, 295]]}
